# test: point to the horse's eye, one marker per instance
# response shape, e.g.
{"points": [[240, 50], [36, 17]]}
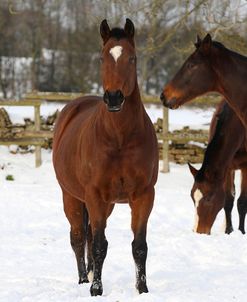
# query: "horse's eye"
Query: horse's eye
{"points": [[101, 59], [190, 65], [132, 59]]}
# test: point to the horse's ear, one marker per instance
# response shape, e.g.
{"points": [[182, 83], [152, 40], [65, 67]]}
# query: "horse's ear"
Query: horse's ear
{"points": [[193, 170], [105, 31], [198, 42], [206, 44], [129, 28]]}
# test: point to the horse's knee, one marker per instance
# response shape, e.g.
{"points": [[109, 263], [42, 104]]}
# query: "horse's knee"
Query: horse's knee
{"points": [[99, 246], [77, 238], [139, 249]]}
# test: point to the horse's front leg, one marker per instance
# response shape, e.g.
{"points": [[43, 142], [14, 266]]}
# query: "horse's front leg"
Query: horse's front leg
{"points": [[76, 213], [141, 207], [98, 213]]}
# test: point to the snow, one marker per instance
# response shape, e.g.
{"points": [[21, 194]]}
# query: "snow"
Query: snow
{"points": [[195, 118], [37, 263]]}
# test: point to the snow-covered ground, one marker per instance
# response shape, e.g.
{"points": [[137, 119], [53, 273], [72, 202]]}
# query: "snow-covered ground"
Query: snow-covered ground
{"points": [[37, 262]]}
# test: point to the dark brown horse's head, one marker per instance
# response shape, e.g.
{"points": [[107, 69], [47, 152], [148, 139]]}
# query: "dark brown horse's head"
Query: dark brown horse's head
{"points": [[208, 199], [194, 78], [118, 64]]}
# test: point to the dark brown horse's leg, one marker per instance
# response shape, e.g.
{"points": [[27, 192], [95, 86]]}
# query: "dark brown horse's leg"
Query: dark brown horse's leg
{"points": [[98, 213], [229, 200], [141, 208], [89, 254], [76, 213], [242, 201]]}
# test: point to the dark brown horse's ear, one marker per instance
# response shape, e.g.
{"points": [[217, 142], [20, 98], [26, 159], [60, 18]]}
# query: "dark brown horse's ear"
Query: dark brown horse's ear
{"points": [[192, 170], [206, 44], [129, 28], [105, 31], [198, 42]]}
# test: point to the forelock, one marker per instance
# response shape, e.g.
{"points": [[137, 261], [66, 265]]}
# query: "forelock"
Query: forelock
{"points": [[118, 33]]}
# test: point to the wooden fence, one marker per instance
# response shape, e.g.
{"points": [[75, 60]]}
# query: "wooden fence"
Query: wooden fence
{"points": [[37, 137]]}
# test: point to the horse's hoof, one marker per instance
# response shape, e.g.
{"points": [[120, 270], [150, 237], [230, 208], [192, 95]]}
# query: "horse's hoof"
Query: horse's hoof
{"points": [[96, 288], [242, 231], [229, 230], [83, 280], [142, 288]]}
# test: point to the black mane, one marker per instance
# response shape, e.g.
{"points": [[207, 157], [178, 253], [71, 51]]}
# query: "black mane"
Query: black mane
{"points": [[118, 33], [218, 44], [234, 53], [214, 145]]}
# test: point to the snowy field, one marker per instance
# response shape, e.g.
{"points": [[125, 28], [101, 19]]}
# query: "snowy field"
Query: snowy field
{"points": [[37, 262]]}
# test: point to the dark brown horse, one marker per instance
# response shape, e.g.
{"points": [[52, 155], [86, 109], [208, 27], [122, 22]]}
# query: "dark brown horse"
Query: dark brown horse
{"points": [[213, 186], [105, 152], [211, 67]]}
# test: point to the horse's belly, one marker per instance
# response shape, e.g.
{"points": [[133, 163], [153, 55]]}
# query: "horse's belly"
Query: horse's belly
{"points": [[121, 189], [120, 200]]}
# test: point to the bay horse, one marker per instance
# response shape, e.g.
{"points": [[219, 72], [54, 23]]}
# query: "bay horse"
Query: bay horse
{"points": [[213, 186], [105, 152], [210, 68]]}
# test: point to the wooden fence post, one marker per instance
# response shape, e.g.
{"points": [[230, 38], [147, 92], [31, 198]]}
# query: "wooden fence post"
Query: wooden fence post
{"points": [[38, 159], [165, 153]]}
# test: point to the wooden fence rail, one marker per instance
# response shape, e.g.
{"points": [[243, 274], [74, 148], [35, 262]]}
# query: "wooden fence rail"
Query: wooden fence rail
{"points": [[37, 137]]}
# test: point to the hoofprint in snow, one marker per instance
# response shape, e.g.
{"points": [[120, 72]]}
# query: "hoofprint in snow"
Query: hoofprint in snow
{"points": [[37, 262]]}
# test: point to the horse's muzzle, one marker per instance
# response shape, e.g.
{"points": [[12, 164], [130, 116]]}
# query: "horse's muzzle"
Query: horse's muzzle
{"points": [[171, 104], [113, 100]]}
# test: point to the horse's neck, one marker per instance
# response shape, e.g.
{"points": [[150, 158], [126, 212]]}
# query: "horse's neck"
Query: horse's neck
{"points": [[231, 70], [222, 147], [121, 125]]}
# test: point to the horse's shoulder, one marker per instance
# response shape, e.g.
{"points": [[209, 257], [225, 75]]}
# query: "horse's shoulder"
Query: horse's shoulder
{"points": [[83, 102], [79, 108]]}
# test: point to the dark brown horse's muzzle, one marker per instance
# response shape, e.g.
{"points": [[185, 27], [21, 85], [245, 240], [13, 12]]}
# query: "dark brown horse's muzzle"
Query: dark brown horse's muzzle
{"points": [[171, 104], [113, 100]]}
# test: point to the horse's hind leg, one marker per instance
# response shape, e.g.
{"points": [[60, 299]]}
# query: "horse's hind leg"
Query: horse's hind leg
{"points": [[98, 213], [89, 254], [242, 200], [229, 200], [77, 215], [141, 208]]}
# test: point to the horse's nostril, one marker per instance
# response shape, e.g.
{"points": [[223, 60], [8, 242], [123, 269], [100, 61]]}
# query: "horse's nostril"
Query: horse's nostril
{"points": [[106, 97], [120, 94], [162, 97]]}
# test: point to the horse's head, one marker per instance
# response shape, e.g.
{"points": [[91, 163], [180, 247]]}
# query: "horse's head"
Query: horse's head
{"points": [[208, 199], [118, 64], [195, 77]]}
